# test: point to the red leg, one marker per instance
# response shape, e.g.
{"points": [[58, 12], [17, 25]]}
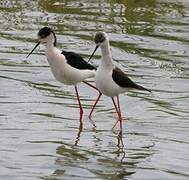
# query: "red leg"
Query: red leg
{"points": [[117, 110], [90, 85], [90, 114], [79, 102], [120, 116], [118, 113], [119, 106]]}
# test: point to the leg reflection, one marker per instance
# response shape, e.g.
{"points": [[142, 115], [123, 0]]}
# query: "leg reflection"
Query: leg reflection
{"points": [[80, 129], [120, 152], [120, 139], [93, 125]]}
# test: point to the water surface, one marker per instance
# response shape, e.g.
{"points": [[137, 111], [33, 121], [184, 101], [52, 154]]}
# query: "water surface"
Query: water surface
{"points": [[40, 134]]}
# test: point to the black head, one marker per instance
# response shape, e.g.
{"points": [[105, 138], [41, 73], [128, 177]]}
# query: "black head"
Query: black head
{"points": [[100, 39], [43, 34]]}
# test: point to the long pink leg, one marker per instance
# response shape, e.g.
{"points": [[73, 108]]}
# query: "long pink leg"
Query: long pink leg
{"points": [[120, 116], [119, 106], [117, 110], [97, 99], [90, 85], [79, 102]]}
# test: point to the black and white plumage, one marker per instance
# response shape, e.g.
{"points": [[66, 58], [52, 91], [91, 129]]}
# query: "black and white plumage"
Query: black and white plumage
{"points": [[121, 79], [76, 61], [109, 79], [67, 67]]}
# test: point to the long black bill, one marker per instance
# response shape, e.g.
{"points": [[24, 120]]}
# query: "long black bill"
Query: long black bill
{"points": [[93, 52], [33, 49]]}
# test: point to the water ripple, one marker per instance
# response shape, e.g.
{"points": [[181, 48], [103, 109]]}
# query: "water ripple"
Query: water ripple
{"points": [[40, 133]]}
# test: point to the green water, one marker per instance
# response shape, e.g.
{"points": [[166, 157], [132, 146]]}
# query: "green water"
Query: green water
{"points": [[40, 134]]}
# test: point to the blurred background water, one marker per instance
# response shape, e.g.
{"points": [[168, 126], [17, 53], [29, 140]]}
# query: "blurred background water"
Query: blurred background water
{"points": [[40, 135]]}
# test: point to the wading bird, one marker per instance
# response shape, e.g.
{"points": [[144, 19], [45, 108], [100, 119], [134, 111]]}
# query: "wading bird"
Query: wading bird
{"points": [[109, 79], [67, 67]]}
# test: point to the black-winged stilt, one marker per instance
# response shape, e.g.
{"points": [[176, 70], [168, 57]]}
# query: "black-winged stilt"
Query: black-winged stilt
{"points": [[67, 67], [109, 79]]}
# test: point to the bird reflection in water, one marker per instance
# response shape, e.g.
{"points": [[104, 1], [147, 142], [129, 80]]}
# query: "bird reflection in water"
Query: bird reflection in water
{"points": [[120, 152], [80, 129]]}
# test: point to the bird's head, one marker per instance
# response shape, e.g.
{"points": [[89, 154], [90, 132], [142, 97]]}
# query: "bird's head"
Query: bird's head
{"points": [[101, 39], [45, 35]]}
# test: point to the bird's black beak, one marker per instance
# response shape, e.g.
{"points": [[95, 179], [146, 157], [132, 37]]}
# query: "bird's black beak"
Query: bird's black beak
{"points": [[93, 52], [33, 49]]}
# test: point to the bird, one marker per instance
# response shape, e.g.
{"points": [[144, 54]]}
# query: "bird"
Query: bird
{"points": [[110, 80], [68, 68]]}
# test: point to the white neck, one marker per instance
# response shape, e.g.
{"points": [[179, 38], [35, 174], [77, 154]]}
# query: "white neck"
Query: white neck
{"points": [[50, 42], [107, 61], [52, 53]]}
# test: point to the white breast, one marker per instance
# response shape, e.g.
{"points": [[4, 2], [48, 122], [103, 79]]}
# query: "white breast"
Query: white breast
{"points": [[63, 72], [105, 83]]}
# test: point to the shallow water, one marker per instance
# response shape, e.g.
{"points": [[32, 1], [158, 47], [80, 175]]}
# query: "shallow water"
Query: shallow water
{"points": [[40, 134]]}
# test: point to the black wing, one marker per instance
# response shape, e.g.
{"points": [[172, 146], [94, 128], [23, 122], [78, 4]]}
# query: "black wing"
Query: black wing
{"points": [[121, 79], [76, 61]]}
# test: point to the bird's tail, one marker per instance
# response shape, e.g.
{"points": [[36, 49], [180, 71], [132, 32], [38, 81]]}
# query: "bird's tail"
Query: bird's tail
{"points": [[142, 88]]}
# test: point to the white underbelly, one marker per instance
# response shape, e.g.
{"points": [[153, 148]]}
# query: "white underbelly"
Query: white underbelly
{"points": [[71, 76], [106, 85], [65, 73]]}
